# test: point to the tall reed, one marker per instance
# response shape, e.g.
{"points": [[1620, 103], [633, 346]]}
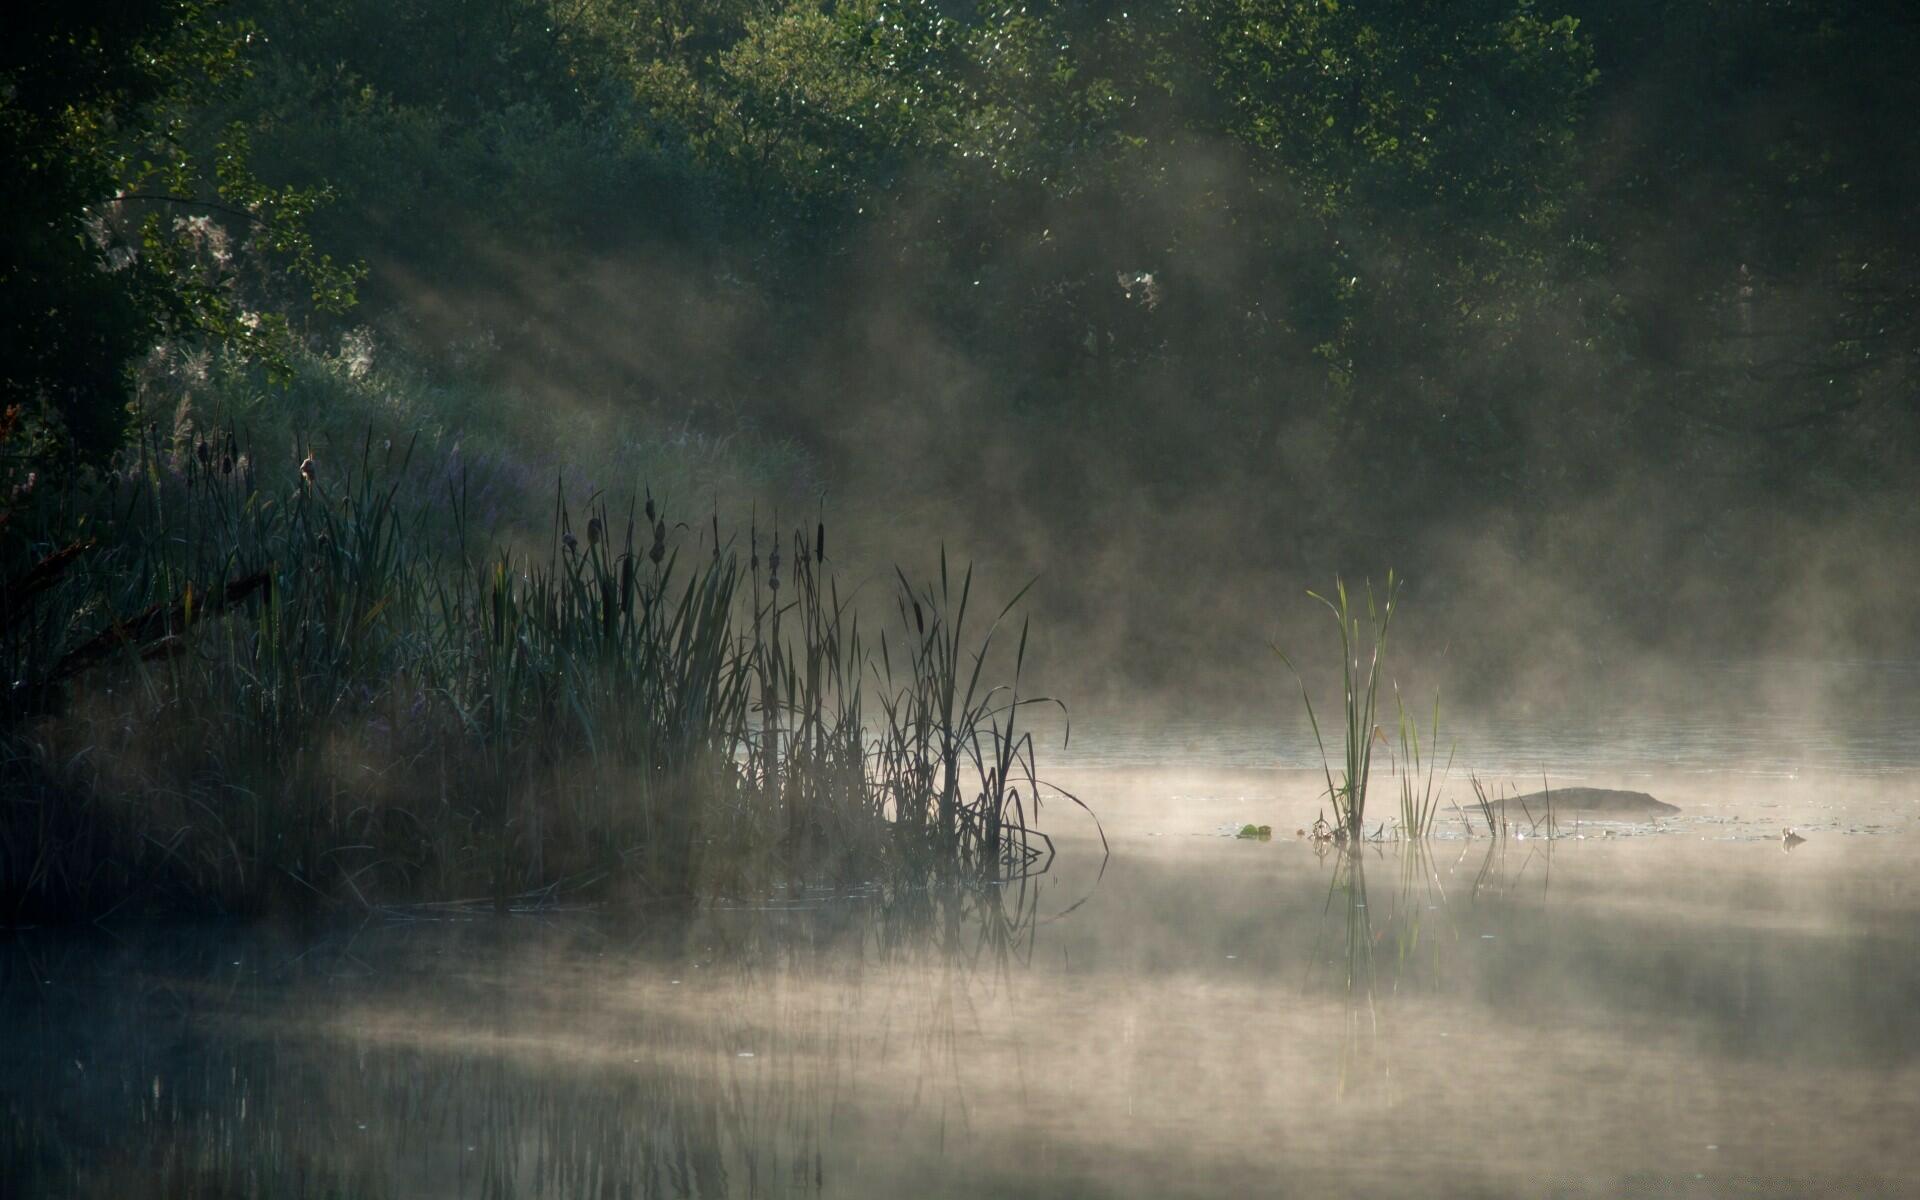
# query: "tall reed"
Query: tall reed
{"points": [[953, 758], [1360, 700], [1493, 811], [1422, 778]]}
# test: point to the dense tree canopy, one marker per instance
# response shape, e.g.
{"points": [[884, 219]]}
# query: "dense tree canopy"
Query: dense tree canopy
{"points": [[1370, 271], [120, 231]]}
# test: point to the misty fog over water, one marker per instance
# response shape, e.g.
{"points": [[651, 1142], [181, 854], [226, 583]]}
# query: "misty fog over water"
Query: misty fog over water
{"points": [[1833, 720]]}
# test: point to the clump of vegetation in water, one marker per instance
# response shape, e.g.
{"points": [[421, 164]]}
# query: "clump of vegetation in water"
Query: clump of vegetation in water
{"points": [[1491, 811], [1420, 786], [1361, 698], [1363, 632], [239, 687]]}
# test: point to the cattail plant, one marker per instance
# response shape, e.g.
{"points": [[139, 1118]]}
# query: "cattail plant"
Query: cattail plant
{"points": [[293, 693]]}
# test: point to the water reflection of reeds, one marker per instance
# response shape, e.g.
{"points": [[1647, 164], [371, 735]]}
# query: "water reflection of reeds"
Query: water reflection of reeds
{"points": [[1192, 1030], [1395, 946], [710, 1058]]}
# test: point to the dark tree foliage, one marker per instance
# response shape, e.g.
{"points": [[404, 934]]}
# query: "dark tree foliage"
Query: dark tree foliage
{"points": [[117, 231], [1753, 174], [1370, 270]]}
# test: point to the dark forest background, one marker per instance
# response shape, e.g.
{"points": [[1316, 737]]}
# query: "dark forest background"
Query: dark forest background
{"points": [[1596, 320]]}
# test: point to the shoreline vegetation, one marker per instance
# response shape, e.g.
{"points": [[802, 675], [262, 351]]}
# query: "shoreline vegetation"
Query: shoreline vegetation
{"points": [[248, 687]]}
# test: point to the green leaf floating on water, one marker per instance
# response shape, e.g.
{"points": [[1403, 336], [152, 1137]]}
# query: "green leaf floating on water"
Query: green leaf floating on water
{"points": [[1257, 832]]}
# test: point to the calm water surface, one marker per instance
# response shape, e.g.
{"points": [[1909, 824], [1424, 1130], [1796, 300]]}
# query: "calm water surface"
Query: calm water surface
{"points": [[1683, 1010]]}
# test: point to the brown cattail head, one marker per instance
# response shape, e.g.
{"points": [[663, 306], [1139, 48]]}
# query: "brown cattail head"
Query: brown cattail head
{"points": [[309, 469], [571, 542], [820, 541], [650, 511], [594, 532]]}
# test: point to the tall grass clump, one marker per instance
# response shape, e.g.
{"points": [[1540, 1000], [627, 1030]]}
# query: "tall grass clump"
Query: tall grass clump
{"points": [[1363, 643], [1492, 810], [240, 686], [953, 759], [1422, 777]]}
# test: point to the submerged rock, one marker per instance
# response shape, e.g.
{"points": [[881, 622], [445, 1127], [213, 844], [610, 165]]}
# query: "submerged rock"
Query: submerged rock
{"points": [[1587, 801]]}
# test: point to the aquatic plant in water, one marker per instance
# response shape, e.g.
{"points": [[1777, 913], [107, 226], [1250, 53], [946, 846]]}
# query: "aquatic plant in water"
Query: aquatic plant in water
{"points": [[1360, 697], [1419, 792], [240, 688]]}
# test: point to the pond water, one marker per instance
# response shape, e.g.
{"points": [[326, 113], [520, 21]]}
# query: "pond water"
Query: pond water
{"points": [[1678, 1009]]}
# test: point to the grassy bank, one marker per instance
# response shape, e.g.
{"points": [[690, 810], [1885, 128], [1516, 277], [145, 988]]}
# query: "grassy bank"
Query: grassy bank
{"points": [[245, 681]]}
